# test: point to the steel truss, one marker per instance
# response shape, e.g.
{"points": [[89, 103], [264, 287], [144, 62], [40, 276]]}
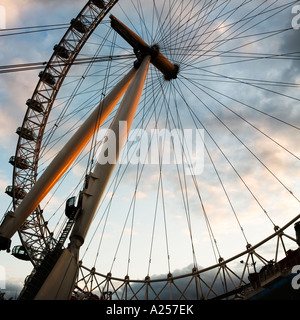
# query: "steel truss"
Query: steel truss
{"points": [[201, 284], [34, 234]]}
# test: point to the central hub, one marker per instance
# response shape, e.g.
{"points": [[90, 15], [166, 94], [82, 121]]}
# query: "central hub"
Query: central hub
{"points": [[142, 49]]}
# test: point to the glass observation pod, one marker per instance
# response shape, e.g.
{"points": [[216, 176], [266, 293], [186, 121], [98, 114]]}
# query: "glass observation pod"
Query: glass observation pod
{"points": [[26, 133], [78, 26], [70, 208], [19, 252], [17, 192], [99, 3], [47, 78], [35, 105], [61, 51], [19, 162]]}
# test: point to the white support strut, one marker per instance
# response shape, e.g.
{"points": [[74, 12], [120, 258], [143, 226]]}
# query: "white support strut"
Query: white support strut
{"points": [[102, 172], [60, 282], [60, 164]]}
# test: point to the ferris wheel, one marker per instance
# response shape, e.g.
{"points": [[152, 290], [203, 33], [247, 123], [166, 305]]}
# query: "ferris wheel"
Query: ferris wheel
{"points": [[158, 155]]}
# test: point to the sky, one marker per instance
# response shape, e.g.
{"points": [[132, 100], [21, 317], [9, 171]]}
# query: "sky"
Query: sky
{"points": [[262, 84]]}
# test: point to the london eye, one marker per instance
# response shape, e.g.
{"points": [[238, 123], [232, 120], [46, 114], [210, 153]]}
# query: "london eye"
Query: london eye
{"points": [[158, 156]]}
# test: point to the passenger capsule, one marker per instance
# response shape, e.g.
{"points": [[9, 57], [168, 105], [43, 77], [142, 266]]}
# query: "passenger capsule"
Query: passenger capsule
{"points": [[19, 162], [47, 78], [70, 208], [19, 252], [16, 192], [26, 133], [78, 26], [99, 3], [35, 105], [61, 51]]}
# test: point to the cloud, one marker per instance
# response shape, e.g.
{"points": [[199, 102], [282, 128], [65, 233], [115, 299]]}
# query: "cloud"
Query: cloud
{"points": [[7, 121], [13, 11], [18, 11], [290, 45], [12, 290], [183, 288], [4, 182]]}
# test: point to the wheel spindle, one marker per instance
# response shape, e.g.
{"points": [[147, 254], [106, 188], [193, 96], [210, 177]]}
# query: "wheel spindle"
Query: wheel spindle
{"points": [[142, 49]]}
